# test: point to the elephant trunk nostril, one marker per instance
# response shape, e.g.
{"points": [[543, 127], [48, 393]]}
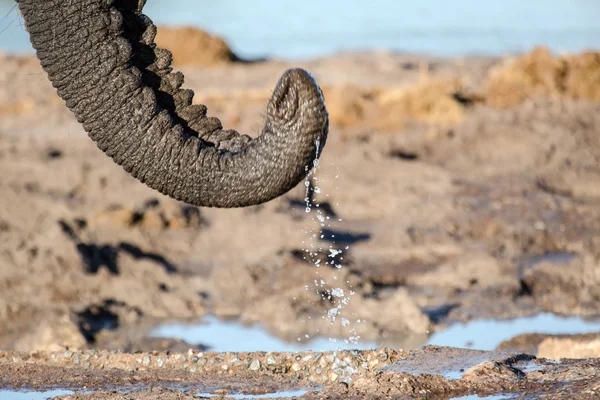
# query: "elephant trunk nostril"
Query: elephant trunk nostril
{"points": [[293, 97]]}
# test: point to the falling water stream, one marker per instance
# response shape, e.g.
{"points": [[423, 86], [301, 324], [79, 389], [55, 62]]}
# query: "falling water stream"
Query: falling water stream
{"points": [[331, 256]]}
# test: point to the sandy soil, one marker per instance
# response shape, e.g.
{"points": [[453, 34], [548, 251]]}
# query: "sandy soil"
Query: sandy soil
{"points": [[446, 183]]}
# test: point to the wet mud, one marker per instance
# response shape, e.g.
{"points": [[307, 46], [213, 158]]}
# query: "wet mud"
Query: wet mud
{"points": [[432, 373], [441, 202]]}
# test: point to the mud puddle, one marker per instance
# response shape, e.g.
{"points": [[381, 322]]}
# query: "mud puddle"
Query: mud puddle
{"points": [[476, 397], [488, 334], [232, 336], [33, 395], [276, 395], [8, 394]]}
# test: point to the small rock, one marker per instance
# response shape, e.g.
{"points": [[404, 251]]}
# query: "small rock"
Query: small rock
{"points": [[255, 365], [160, 362], [296, 367], [271, 360], [146, 360], [68, 354]]}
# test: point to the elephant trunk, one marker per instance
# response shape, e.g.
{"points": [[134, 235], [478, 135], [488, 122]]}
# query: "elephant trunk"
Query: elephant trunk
{"points": [[101, 57]]}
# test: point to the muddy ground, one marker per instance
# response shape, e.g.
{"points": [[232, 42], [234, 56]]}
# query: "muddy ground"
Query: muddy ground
{"points": [[433, 373], [448, 185]]}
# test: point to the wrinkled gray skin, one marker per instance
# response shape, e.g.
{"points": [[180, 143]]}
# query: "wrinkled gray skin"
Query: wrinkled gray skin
{"points": [[101, 57]]}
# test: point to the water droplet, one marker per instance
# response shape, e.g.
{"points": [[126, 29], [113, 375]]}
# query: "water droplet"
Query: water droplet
{"points": [[338, 292], [334, 252], [332, 312], [345, 322]]}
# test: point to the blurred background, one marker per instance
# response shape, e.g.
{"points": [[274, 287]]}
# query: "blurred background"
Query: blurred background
{"points": [[311, 28]]}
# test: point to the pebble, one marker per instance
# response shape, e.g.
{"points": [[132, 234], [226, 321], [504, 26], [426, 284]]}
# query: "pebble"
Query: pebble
{"points": [[255, 365], [202, 362], [146, 360], [271, 360], [68, 354], [160, 363]]}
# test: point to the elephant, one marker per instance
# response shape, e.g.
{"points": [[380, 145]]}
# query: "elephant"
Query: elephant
{"points": [[101, 58]]}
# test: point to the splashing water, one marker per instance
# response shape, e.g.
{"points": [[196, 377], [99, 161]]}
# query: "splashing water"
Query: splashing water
{"points": [[339, 297]]}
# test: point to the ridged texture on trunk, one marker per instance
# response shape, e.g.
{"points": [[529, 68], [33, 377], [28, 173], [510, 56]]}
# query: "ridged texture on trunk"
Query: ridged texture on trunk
{"points": [[101, 57]]}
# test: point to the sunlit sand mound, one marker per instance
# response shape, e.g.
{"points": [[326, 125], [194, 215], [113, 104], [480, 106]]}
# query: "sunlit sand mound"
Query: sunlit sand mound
{"points": [[437, 102], [539, 73], [193, 46]]}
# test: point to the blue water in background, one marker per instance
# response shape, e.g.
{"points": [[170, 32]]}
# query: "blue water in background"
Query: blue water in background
{"points": [[312, 28]]}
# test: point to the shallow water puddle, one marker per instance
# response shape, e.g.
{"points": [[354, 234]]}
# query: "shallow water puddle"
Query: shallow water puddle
{"points": [[476, 397], [49, 394], [223, 336], [27, 395], [232, 336], [488, 334], [285, 394]]}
